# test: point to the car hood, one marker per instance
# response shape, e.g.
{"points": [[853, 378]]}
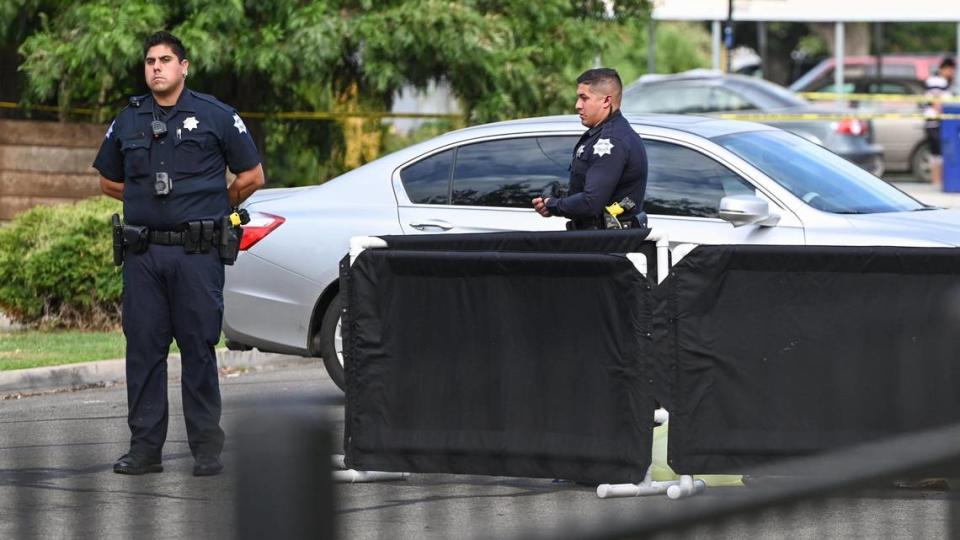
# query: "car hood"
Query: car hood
{"points": [[922, 227]]}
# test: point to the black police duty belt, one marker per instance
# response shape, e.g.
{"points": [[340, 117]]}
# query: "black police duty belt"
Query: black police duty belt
{"points": [[173, 238], [593, 224]]}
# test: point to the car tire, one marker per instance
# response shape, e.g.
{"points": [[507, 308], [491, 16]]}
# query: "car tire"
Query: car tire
{"points": [[920, 163], [331, 344]]}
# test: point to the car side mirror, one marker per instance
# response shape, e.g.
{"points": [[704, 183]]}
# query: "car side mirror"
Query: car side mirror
{"points": [[743, 210]]}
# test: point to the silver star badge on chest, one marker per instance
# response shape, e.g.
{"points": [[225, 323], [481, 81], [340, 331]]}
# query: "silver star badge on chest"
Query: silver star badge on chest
{"points": [[602, 147], [191, 123]]}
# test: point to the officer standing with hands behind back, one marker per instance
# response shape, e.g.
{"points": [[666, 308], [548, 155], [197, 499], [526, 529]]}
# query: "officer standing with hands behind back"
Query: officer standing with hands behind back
{"points": [[609, 162], [165, 157]]}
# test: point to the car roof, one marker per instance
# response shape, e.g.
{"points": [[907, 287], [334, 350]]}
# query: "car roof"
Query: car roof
{"points": [[924, 64], [887, 58], [701, 126], [691, 75]]}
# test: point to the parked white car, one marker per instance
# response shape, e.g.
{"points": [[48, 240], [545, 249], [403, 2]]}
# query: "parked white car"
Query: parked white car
{"points": [[779, 188]]}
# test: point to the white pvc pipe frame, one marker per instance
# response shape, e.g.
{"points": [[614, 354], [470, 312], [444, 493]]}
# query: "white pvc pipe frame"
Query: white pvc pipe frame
{"points": [[675, 489], [360, 243], [686, 486], [342, 474]]}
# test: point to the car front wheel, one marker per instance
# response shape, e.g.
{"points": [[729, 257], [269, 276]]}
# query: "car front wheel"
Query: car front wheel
{"points": [[920, 163], [331, 342]]}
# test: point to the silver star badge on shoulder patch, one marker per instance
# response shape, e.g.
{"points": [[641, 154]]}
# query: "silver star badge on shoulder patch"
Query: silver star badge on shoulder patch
{"points": [[581, 149], [238, 123], [191, 123], [602, 147], [110, 130]]}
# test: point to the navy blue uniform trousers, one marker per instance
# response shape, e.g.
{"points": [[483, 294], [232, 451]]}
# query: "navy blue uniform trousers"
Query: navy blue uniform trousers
{"points": [[169, 294]]}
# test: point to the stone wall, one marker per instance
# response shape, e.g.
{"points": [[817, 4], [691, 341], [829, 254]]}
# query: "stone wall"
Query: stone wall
{"points": [[46, 163]]}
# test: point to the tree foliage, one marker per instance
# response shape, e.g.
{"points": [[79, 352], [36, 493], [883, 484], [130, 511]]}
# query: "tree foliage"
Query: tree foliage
{"points": [[85, 49], [930, 37], [501, 58]]}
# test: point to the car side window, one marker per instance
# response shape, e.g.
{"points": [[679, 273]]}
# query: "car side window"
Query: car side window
{"points": [[677, 99], [684, 182], [510, 172], [428, 180], [848, 87], [888, 88], [722, 99]]}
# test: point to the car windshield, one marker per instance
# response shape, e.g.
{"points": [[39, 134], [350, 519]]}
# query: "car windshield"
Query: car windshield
{"points": [[817, 176]]}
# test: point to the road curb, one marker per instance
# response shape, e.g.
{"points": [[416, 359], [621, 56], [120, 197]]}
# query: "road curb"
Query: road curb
{"points": [[107, 372]]}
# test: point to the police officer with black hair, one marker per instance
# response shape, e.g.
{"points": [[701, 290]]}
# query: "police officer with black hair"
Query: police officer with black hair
{"points": [[165, 157], [609, 166]]}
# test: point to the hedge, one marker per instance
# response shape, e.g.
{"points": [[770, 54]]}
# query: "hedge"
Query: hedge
{"points": [[56, 266]]}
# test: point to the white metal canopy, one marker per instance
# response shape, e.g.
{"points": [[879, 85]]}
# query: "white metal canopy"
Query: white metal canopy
{"points": [[851, 11], [809, 10]]}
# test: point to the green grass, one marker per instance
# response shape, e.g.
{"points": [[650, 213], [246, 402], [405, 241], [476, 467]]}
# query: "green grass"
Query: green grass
{"points": [[30, 348]]}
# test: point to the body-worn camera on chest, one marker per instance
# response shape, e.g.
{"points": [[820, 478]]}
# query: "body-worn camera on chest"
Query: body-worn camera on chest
{"points": [[162, 184]]}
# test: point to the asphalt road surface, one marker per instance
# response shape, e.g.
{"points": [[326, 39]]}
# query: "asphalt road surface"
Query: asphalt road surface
{"points": [[56, 481]]}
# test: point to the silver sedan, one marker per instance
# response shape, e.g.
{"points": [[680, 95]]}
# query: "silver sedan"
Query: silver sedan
{"points": [[710, 181]]}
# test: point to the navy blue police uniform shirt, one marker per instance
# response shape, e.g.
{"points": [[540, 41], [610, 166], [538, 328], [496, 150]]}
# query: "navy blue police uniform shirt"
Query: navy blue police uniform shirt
{"points": [[609, 163], [204, 136]]}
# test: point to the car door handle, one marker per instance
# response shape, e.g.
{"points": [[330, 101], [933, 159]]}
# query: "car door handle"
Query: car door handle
{"points": [[437, 223]]}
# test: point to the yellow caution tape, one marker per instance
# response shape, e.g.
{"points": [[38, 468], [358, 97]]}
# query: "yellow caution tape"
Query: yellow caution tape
{"points": [[46, 108], [324, 115], [750, 117], [772, 117], [889, 98], [296, 115]]}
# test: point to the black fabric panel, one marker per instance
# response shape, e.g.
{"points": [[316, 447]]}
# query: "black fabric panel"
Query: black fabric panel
{"points": [[773, 351], [515, 364], [346, 324]]}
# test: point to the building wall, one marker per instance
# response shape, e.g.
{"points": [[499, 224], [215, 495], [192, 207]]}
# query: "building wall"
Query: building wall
{"points": [[46, 163]]}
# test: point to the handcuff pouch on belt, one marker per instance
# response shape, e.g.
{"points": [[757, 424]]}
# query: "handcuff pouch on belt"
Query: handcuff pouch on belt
{"points": [[198, 236]]}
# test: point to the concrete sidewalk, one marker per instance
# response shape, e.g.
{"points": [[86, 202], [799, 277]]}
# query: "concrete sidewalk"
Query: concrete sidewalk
{"points": [[928, 194], [21, 382]]}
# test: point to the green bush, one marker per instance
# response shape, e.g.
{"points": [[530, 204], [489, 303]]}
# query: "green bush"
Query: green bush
{"points": [[56, 266]]}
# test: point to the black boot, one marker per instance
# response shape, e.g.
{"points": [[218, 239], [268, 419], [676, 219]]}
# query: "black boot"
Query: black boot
{"points": [[207, 465], [135, 463]]}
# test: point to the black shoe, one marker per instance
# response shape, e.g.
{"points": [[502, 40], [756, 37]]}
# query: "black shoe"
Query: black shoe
{"points": [[207, 465], [136, 464]]}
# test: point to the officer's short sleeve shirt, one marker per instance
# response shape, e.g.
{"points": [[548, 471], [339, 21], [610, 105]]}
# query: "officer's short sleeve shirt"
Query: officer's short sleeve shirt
{"points": [[204, 137]]}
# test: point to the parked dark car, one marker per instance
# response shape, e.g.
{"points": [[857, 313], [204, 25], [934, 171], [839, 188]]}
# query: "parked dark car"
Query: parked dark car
{"points": [[707, 92], [903, 139]]}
